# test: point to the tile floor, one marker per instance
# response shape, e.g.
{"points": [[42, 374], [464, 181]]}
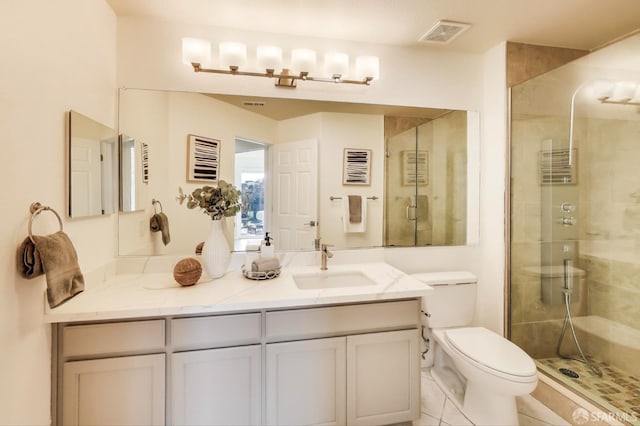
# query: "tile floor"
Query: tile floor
{"points": [[438, 410], [616, 390]]}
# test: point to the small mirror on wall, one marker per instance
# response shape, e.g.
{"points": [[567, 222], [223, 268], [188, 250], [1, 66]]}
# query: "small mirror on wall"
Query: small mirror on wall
{"points": [[91, 153]]}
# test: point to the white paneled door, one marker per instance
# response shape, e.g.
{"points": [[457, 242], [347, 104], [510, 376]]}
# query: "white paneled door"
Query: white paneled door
{"points": [[295, 194], [86, 172]]}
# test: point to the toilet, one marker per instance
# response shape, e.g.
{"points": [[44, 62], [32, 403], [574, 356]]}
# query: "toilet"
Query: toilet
{"points": [[479, 370]]}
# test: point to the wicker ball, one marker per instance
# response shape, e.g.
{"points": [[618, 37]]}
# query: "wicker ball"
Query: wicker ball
{"points": [[187, 271]]}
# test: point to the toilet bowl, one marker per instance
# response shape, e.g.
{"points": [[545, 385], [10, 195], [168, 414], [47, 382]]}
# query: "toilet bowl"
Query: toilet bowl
{"points": [[495, 370], [479, 370]]}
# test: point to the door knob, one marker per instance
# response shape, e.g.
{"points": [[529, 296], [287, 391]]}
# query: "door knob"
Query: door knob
{"points": [[311, 223]]}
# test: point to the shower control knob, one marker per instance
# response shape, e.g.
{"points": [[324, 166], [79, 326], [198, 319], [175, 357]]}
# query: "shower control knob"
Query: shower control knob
{"points": [[567, 207], [568, 221]]}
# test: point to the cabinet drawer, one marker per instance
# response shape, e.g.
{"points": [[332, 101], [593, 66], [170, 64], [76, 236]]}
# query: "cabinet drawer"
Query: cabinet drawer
{"points": [[341, 320], [113, 338], [213, 332]]}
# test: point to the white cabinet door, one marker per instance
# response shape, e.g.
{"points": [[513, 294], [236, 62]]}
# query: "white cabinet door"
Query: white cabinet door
{"points": [[306, 382], [114, 391], [383, 377], [217, 386]]}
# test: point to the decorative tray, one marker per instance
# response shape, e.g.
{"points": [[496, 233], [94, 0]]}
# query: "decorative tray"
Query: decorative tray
{"points": [[269, 275]]}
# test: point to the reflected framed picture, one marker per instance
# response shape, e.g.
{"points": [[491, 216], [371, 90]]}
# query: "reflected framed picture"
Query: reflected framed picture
{"points": [[415, 168], [145, 162], [203, 159], [356, 168]]}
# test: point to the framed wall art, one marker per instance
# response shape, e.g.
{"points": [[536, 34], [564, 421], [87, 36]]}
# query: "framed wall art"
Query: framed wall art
{"points": [[203, 159], [356, 167], [415, 168]]}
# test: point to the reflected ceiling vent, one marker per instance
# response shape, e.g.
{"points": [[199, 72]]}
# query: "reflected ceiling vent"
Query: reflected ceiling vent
{"points": [[444, 32], [253, 103]]}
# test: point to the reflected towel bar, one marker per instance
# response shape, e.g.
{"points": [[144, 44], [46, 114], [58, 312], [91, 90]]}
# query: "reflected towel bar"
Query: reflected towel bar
{"points": [[340, 198]]}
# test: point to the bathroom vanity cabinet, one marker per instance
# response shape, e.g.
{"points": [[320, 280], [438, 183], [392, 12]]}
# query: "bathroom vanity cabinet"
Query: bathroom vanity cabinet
{"points": [[351, 364]]}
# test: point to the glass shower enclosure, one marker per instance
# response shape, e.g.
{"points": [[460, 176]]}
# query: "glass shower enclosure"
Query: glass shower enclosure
{"points": [[574, 279], [426, 180]]}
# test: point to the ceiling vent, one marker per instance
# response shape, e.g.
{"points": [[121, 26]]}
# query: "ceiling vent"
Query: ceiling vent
{"points": [[444, 32]]}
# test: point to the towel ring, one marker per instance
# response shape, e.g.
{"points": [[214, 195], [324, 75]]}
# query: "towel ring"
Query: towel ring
{"points": [[154, 202], [37, 208]]}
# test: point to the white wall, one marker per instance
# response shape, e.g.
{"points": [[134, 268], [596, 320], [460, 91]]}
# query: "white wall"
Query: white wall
{"points": [[490, 305], [340, 131], [56, 56]]}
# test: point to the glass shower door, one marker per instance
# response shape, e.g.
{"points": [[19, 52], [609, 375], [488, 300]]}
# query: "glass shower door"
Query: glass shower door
{"points": [[427, 183], [575, 255], [400, 212]]}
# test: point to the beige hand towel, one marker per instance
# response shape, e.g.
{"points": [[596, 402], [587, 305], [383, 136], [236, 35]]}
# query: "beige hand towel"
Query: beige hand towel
{"points": [[265, 264], [160, 222], [355, 209], [347, 224], [28, 260], [55, 256]]}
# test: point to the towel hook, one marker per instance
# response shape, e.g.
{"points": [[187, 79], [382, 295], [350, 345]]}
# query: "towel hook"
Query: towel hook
{"points": [[154, 202], [37, 208]]}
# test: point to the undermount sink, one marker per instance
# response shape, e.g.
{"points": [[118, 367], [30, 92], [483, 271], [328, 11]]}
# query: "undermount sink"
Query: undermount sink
{"points": [[331, 279]]}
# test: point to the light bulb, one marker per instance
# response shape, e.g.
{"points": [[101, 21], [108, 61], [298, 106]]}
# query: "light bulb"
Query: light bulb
{"points": [[623, 91], [336, 63], [269, 57], [602, 89], [196, 50], [232, 54], [303, 60], [368, 66]]}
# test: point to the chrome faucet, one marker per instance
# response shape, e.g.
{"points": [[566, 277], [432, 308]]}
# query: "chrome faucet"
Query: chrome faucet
{"points": [[326, 254]]}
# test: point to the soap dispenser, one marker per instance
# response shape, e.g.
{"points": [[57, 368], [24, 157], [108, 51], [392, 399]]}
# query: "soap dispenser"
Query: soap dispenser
{"points": [[267, 249]]}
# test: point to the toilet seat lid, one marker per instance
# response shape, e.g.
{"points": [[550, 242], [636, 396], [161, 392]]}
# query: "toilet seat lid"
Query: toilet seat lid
{"points": [[491, 351]]}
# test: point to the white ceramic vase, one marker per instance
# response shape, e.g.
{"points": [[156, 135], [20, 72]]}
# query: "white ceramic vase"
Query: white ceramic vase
{"points": [[215, 253]]}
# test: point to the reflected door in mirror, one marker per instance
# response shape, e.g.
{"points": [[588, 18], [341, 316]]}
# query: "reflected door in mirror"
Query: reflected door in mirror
{"points": [[295, 175], [132, 174], [91, 180]]}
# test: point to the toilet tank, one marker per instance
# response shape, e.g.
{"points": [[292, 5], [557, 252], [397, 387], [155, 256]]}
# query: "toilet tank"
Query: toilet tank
{"points": [[453, 301]]}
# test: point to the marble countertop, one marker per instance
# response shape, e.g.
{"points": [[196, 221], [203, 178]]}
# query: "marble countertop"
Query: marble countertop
{"points": [[140, 295]]}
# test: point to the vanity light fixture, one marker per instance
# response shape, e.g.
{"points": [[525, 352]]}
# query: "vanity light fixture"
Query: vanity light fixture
{"points": [[619, 92], [233, 57]]}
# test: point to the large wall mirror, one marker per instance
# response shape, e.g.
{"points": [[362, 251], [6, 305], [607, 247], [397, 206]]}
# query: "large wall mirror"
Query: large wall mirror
{"points": [[91, 165], [292, 159]]}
